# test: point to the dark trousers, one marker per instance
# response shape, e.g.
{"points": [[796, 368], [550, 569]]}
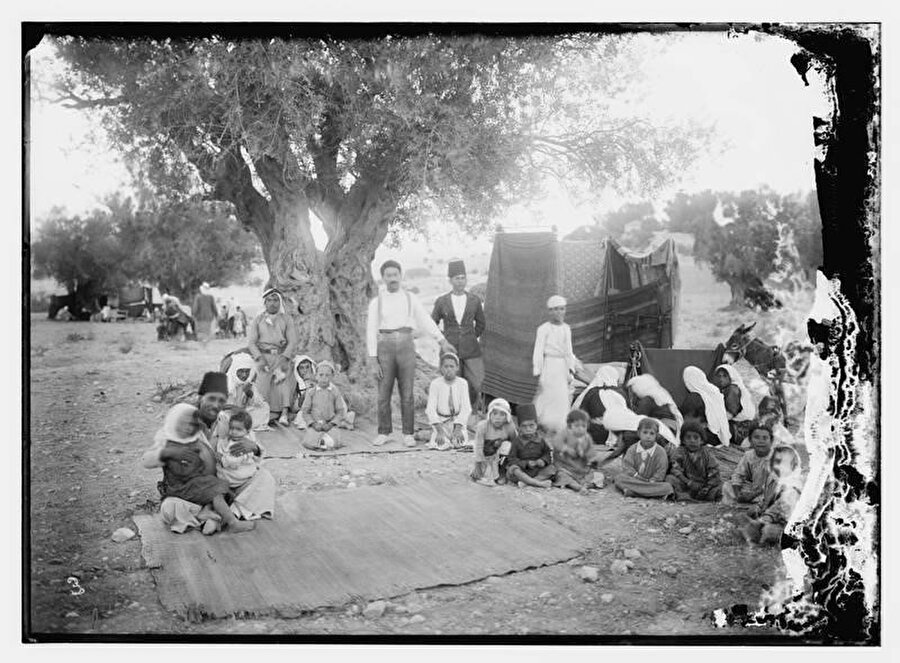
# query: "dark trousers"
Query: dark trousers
{"points": [[397, 357]]}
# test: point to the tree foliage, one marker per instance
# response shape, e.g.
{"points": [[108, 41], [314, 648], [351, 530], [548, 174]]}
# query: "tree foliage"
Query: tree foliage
{"points": [[751, 236], [371, 134], [173, 246]]}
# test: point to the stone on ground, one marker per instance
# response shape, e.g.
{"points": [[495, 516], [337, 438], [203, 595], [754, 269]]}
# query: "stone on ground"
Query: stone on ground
{"points": [[589, 573], [122, 534], [375, 609]]}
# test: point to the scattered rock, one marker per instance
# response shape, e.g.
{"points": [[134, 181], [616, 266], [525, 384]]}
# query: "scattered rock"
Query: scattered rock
{"points": [[629, 563], [352, 484], [72, 614], [157, 399], [589, 573], [374, 610], [414, 607], [416, 619], [575, 562], [353, 610], [544, 595], [493, 579], [671, 521], [686, 530], [632, 553], [477, 613], [670, 570], [122, 534], [606, 598], [345, 477], [400, 609], [619, 566], [358, 473]]}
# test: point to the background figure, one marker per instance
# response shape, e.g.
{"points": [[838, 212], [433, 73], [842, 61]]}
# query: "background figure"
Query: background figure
{"points": [[462, 315], [272, 340], [205, 314]]}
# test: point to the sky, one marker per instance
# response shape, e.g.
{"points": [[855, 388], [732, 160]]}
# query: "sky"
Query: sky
{"points": [[743, 85]]}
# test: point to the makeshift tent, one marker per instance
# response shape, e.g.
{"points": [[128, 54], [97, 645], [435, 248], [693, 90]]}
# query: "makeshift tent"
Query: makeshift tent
{"points": [[615, 296]]}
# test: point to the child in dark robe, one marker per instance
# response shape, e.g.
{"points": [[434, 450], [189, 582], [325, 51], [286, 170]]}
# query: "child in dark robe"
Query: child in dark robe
{"points": [[573, 454], [529, 461], [189, 466], [644, 465], [694, 473], [769, 518]]}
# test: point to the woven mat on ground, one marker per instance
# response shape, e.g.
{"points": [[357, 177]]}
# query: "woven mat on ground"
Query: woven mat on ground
{"points": [[284, 442], [329, 548]]}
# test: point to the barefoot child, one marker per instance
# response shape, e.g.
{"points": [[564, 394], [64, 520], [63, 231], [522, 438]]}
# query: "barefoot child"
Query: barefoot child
{"points": [[189, 466], [767, 521], [234, 466], [491, 435], [644, 465], [694, 473], [529, 462], [553, 361], [573, 454], [448, 407], [749, 478], [324, 411]]}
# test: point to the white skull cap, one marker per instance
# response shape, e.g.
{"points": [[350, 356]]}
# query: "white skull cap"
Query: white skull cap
{"points": [[556, 301]]}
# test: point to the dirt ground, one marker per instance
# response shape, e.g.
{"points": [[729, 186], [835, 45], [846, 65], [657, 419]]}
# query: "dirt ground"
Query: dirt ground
{"points": [[92, 414]]}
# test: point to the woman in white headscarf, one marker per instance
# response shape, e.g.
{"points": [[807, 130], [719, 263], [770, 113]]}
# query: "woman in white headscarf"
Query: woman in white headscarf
{"points": [[242, 391], [601, 393], [705, 403], [738, 401], [654, 401]]}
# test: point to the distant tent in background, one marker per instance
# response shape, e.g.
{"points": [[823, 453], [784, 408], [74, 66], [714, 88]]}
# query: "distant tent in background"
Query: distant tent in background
{"points": [[615, 297]]}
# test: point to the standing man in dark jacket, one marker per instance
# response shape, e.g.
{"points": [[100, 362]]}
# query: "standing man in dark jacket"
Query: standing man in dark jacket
{"points": [[463, 325]]}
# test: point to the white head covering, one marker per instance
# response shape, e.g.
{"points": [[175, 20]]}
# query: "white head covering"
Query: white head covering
{"points": [[500, 405], [606, 376], [274, 291], [748, 408], [648, 385], [239, 361], [555, 301], [299, 359], [620, 418], [178, 413], [204, 288], [716, 417]]}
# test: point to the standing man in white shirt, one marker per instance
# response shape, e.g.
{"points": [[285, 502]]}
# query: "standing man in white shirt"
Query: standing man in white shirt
{"points": [[463, 321], [393, 315]]}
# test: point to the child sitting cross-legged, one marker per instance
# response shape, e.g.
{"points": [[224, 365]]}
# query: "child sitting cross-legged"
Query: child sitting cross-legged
{"points": [[748, 482], [528, 463], [448, 408], [782, 490], [324, 411], [491, 436], [573, 453], [694, 473], [644, 465], [189, 467]]}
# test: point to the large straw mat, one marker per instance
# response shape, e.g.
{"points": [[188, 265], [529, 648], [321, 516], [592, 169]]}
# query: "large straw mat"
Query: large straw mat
{"points": [[333, 547], [284, 442]]}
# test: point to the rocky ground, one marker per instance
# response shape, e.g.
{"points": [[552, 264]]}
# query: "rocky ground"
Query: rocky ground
{"points": [[652, 568]]}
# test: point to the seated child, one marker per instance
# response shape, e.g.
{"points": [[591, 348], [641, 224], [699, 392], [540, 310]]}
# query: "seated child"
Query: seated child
{"points": [[235, 467], [242, 392], [305, 374], [189, 467], [749, 478], [644, 465], [448, 407], [695, 471], [767, 521], [324, 411], [528, 463], [491, 436], [573, 454]]}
